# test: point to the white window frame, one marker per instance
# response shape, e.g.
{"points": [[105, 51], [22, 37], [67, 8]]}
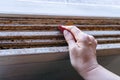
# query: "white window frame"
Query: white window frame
{"points": [[59, 9]]}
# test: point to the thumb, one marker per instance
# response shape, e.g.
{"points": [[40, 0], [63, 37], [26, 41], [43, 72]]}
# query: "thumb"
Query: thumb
{"points": [[69, 38]]}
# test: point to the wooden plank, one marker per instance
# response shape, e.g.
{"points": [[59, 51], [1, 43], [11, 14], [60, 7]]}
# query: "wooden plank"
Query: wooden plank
{"points": [[13, 27], [59, 20], [42, 31], [51, 33], [29, 32], [7, 44], [30, 43], [32, 55]]}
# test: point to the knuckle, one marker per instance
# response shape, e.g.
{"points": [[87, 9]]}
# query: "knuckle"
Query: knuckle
{"points": [[74, 48], [96, 42], [91, 37], [85, 38], [93, 40]]}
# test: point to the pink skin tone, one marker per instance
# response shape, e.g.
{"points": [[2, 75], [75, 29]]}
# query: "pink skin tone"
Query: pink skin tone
{"points": [[61, 28], [82, 51]]}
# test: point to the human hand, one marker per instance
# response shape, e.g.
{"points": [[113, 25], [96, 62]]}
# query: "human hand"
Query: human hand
{"points": [[82, 49]]}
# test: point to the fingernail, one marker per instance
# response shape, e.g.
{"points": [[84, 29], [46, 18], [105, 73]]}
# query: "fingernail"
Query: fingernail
{"points": [[61, 28]]}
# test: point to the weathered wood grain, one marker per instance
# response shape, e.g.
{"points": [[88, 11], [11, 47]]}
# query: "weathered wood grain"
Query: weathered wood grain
{"points": [[42, 31], [29, 43], [45, 54], [13, 27], [60, 20], [26, 41]]}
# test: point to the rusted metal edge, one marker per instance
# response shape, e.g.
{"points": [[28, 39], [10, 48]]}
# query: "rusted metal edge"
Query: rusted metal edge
{"points": [[11, 27], [62, 22]]}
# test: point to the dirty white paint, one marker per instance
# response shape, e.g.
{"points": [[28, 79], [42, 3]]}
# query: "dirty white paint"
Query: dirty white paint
{"points": [[67, 8], [102, 2]]}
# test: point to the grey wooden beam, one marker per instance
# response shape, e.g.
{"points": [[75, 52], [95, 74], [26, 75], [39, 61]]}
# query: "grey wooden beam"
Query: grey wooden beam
{"points": [[33, 55]]}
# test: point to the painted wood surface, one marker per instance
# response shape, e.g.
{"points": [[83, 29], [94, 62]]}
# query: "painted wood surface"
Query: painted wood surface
{"points": [[62, 8], [32, 45]]}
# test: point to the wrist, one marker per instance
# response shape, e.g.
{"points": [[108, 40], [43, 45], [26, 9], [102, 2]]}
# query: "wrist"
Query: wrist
{"points": [[89, 71]]}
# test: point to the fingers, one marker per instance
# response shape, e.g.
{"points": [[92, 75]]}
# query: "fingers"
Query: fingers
{"points": [[92, 39], [75, 31], [69, 38], [80, 37]]}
